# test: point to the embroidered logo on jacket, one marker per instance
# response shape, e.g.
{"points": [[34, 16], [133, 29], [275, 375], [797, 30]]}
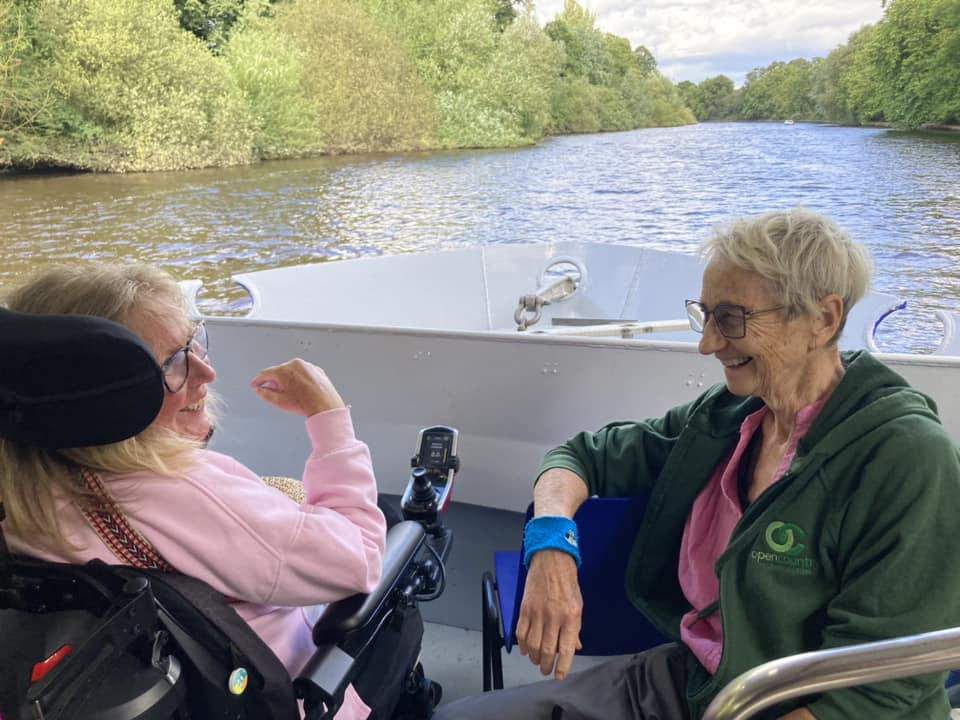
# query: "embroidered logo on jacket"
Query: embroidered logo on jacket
{"points": [[782, 537], [783, 540]]}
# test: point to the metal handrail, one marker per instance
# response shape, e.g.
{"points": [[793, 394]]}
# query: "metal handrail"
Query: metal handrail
{"points": [[822, 670]]}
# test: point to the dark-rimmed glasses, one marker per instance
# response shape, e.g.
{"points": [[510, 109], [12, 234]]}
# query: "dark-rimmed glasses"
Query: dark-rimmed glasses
{"points": [[176, 368], [731, 320]]}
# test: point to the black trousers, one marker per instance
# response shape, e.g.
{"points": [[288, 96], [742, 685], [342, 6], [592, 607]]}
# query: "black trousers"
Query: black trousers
{"points": [[648, 686]]}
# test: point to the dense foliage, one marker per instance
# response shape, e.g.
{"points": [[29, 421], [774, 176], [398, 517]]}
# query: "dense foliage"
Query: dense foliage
{"points": [[905, 71], [131, 85]]}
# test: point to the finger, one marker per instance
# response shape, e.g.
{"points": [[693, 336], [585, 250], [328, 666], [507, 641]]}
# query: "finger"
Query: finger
{"points": [[548, 650], [534, 636], [270, 384], [523, 625], [569, 644]]}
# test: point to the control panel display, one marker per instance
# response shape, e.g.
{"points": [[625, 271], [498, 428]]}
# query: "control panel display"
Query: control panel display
{"points": [[437, 450]]}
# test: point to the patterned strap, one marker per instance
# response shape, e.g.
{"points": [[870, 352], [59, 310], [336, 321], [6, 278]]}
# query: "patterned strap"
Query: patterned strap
{"points": [[128, 545]]}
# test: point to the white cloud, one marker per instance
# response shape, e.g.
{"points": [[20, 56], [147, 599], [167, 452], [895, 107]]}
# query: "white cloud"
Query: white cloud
{"points": [[696, 39]]}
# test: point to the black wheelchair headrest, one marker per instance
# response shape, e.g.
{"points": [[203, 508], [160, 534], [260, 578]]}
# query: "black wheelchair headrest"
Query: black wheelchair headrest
{"points": [[74, 381]]}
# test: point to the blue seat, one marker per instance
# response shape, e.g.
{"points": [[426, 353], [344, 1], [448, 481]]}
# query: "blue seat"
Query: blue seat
{"points": [[611, 623]]}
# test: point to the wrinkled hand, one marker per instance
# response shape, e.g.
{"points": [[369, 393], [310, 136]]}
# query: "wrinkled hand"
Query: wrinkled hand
{"points": [[548, 629], [297, 387]]}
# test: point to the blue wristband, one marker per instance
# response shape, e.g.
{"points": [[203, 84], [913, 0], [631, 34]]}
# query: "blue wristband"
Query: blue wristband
{"points": [[551, 532]]}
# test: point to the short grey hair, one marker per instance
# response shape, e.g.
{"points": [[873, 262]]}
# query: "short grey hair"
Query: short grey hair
{"points": [[802, 255]]}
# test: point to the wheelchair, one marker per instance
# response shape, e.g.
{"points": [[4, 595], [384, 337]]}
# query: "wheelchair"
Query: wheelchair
{"points": [[112, 642]]}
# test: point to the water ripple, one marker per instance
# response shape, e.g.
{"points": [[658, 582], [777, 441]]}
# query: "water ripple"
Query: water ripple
{"points": [[661, 188]]}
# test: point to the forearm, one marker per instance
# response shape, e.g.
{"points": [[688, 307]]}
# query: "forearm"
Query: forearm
{"points": [[799, 714], [558, 492]]}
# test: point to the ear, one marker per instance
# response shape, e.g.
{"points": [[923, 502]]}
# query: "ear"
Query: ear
{"points": [[827, 322]]}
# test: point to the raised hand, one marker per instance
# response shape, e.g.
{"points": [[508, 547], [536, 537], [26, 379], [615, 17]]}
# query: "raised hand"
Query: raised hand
{"points": [[297, 387]]}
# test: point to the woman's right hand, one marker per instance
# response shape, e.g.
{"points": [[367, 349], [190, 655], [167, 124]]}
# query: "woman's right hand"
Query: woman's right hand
{"points": [[548, 628], [297, 387]]}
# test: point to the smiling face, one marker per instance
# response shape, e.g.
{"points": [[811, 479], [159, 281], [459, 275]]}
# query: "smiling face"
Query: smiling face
{"points": [[777, 357], [184, 411]]}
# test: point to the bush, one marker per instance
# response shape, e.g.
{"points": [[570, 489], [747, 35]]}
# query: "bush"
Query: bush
{"points": [[133, 91], [576, 108], [363, 93], [268, 69], [490, 87]]}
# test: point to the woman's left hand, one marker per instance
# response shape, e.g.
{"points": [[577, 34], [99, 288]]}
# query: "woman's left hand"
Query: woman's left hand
{"points": [[297, 387]]}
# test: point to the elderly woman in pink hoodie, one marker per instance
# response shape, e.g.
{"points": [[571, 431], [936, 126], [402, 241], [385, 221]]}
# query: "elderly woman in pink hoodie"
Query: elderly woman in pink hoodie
{"points": [[183, 507]]}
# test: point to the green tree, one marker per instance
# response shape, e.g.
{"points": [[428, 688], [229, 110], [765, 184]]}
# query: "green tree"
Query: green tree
{"points": [[914, 52], [585, 46], [831, 93], [620, 59], [757, 100], [132, 91], [268, 68], [690, 94], [490, 87], [12, 41], [645, 61], [576, 107], [793, 90], [716, 98], [668, 108], [859, 80], [782, 90], [363, 91], [604, 84], [506, 11]]}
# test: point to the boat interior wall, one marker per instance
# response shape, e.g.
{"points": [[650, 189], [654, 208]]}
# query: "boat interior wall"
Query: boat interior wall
{"points": [[512, 401], [397, 382], [476, 289]]}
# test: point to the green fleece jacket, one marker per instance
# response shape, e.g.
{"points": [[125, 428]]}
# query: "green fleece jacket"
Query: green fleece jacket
{"points": [[856, 542]]}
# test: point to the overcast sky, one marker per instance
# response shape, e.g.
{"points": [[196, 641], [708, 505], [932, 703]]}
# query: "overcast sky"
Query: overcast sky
{"points": [[697, 39]]}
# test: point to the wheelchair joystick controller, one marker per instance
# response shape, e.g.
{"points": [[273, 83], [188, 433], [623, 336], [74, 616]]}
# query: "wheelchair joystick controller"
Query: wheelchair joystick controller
{"points": [[422, 501], [431, 481]]}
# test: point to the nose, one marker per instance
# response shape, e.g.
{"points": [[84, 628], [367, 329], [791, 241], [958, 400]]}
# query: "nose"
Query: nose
{"points": [[201, 370], [712, 340]]}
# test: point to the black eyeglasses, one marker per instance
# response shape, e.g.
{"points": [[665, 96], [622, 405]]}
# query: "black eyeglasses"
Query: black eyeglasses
{"points": [[731, 320], [176, 368]]}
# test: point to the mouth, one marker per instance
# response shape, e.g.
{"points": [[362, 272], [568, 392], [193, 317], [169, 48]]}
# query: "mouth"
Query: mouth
{"points": [[196, 407], [734, 363]]}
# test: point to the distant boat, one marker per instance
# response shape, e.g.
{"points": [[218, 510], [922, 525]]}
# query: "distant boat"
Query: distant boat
{"points": [[788, 122]]}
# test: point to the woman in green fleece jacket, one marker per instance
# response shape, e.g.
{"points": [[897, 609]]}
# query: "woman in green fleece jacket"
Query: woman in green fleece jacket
{"points": [[807, 503]]}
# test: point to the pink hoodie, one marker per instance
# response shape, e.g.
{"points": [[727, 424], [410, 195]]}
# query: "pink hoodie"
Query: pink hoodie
{"points": [[221, 524]]}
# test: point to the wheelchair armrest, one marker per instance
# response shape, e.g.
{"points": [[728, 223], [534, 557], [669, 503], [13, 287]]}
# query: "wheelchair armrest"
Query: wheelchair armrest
{"points": [[325, 677], [341, 618]]}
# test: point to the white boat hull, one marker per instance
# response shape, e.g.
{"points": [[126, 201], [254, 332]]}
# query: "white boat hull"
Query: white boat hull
{"points": [[512, 396], [425, 339]]}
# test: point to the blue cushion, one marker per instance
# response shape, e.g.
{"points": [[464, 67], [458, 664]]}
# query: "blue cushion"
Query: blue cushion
{"points": [[507, 569]]}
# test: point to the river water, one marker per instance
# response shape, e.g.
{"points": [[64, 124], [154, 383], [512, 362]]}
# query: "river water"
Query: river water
{"points": [[663, 188]]}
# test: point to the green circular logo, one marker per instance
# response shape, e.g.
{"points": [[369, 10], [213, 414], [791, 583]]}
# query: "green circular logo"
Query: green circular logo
{"points": [[782, 537]]}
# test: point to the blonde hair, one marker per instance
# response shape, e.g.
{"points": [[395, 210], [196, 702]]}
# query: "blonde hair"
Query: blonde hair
{"points": [[802, 255], [138, 296]]}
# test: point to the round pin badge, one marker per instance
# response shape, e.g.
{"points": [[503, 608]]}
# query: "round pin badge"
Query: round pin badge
{"points": [[238, 681]]}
